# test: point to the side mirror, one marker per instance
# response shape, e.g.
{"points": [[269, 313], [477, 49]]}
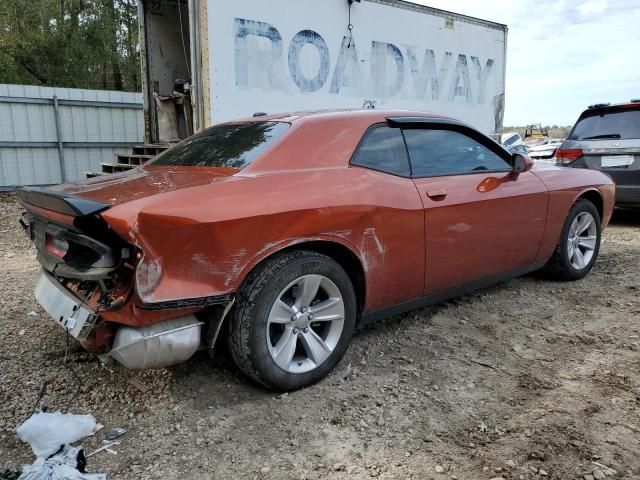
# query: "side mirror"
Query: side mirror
{"points": [[521, 163]]}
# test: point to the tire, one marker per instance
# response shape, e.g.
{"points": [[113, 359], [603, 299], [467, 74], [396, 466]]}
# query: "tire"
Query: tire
{"points": [[563, 265], [262, 333]]}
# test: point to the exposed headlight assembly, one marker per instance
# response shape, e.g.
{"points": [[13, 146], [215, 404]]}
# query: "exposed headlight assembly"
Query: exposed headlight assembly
{"points": [[148, 274]]}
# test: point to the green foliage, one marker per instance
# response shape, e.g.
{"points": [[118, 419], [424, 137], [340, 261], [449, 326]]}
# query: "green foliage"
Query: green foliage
{"points": [[70, 43]]}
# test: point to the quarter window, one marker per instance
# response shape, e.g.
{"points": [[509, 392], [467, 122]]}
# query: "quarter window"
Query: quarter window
{"points": [[446, 152], [383, 149]]}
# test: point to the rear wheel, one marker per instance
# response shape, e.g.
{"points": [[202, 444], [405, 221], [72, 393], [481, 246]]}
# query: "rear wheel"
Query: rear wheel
{"points": [[295, 318], [579, 243]]}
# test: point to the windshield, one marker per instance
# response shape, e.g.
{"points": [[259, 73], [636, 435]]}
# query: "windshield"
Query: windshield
{"points": [[617, 124], [231, 145]]}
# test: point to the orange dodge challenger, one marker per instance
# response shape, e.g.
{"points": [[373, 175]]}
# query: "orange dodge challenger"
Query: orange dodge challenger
{"points": [[283, 233]]}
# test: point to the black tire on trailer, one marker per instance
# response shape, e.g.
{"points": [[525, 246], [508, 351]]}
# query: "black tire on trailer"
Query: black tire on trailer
{"points": [[282, 333]]}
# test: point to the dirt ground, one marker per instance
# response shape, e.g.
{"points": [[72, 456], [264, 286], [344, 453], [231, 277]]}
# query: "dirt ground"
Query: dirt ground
{"points": [[529, 379]]}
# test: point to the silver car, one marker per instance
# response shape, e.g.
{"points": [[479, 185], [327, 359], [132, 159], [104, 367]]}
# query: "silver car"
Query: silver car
{"points": [[607, 137], [545, 151]]}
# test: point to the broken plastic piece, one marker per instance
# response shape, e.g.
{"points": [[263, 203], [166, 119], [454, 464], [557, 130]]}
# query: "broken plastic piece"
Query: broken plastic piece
{"points": [[96, 429], [114, 433], [104, 447]]}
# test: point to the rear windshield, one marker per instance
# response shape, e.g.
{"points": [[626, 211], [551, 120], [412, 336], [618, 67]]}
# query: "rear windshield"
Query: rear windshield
{"points": [[231, 145], [512, 139], [617, 124]]}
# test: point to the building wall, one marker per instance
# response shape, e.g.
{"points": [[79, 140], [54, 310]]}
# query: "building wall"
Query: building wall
{"points": [[94, 125]]}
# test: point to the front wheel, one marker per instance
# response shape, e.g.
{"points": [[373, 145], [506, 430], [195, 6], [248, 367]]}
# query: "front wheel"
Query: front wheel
{"points": [[295, 318], [579, 243]]}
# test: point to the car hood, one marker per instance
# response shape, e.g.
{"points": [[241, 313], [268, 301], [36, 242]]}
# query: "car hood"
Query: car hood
{"points": [[116, 189]]}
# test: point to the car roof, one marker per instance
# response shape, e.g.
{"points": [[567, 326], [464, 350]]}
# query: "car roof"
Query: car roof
{"points": [[328, 138], [374, 115], [608, 106]]}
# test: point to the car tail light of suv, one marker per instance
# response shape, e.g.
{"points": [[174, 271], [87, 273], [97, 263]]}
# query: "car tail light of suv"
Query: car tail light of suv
{"points": [[567, 156]]}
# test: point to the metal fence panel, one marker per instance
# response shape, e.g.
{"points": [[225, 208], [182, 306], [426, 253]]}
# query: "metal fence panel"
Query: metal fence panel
{"points": [[76, 159], [94, 125]]}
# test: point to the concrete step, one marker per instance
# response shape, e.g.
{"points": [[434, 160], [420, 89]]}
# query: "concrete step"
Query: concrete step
{"points": [[152, 149], [140, 154], [133, 159], [116, 167]]}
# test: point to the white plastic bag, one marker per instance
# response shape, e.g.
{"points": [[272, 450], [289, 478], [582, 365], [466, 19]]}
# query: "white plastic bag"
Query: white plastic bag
{"points": [[47, 432], [62, 466]]}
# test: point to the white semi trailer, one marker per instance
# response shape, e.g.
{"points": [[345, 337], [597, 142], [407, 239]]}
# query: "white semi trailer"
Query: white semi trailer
{"points": [[208, 61]]}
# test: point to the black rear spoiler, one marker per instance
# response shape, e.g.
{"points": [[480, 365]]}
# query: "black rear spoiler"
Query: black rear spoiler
{"points": [[59, 202]]}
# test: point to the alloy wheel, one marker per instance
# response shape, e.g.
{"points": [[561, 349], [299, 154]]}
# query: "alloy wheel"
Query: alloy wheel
{"points": [[582, 241], [305, 323]]}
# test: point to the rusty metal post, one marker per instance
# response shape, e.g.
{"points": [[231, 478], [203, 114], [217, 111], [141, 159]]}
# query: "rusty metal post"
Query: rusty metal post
{"points": [[56, 114]]}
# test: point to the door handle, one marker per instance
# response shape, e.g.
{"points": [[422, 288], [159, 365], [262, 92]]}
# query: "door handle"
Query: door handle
{"points": [[437, 194]]}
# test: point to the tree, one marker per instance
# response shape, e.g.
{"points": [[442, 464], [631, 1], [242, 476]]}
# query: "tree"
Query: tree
{"points": [[70, 43]]}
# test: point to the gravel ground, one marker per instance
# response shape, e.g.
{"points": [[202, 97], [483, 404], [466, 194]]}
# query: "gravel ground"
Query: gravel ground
{"points": [[526, 380]]}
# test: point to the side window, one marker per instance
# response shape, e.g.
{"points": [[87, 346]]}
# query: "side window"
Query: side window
{"points": [[445, 152], [383, 149]]}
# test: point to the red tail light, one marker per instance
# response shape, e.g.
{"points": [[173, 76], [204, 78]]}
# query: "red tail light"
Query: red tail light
{"points": [[55, 246], [568, 155]]}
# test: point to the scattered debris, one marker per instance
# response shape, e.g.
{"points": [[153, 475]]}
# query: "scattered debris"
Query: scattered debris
{"points": [[346, 373], [483, 364], [48, 432], [601, 471], [483, 427], [354, 470], [68, 464], [107, 447], [32, 313], [104, 365], [140, 385], [114, 433], [537, 455], [96, 429]]}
